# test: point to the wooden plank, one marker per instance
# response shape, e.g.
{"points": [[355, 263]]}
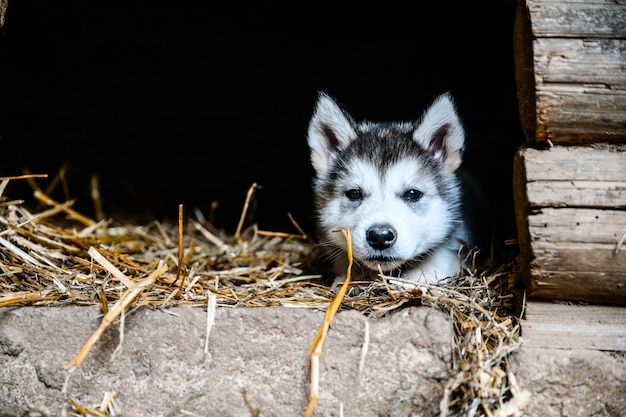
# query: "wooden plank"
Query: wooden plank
{"points": [[558, 18], [3, 11], [579, 193], [585, 62], [578, 254], [590, 287], [570, 70], [566, 326], [571, 220], [580, 229], [568, 163], [564, 176], [578, 114], [560, 177]]}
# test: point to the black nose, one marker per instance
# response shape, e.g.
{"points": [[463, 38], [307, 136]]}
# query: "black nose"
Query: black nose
{"points": [[381, 237]]}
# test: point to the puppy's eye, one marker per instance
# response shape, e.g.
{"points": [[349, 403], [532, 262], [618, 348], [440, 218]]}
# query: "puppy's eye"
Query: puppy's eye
{"points": [[412, 195], [354, 194]]}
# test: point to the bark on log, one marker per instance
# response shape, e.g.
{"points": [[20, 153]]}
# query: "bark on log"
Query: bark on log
{"points": [[571, 70], [562, 326], [3, 11], [571, 220]]}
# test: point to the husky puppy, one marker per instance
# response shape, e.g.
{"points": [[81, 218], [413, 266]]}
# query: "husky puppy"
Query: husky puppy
{"points": [[394, 186]]}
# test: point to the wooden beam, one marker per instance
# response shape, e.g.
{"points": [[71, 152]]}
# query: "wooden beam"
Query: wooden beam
{"points": [[571, 221], [567, 326], [570, 70]]}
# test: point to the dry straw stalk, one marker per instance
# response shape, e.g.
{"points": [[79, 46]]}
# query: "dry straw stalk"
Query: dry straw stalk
{"points": [[57, 256]]}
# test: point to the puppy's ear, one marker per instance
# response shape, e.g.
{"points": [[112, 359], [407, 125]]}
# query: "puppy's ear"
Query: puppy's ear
{"points": [[441, 133], [330, 131]]}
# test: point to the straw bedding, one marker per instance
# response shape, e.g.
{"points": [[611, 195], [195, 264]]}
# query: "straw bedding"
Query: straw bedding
{"points": [[53, 255]]}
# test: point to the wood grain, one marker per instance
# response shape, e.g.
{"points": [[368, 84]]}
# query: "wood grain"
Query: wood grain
{"points": [[570, 70], [571, 220], [567, 326]]}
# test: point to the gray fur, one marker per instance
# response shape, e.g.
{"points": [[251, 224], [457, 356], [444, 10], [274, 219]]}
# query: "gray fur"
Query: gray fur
{"points": [[394, 186]]}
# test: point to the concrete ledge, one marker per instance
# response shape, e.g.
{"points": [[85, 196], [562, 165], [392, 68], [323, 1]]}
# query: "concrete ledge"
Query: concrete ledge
{"points": [[255, 355], [260, 356]]}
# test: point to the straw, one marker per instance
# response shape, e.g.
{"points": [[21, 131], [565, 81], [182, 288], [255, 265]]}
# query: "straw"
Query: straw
{"points": [[59, 256]]}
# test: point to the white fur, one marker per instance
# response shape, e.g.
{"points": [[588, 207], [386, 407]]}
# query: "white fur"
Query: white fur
{"points": [[425, 232], [442, 112], [334, 117]]}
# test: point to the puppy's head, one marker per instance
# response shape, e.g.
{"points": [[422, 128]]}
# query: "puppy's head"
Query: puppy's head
{"points": [[393, 185]]}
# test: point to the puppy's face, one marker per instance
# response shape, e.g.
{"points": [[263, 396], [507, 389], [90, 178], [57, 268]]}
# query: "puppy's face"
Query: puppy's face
{"points": [[396, 214], [392, 185]]}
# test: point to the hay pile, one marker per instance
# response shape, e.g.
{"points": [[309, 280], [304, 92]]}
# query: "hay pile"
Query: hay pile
{"points": [[57, 256]]}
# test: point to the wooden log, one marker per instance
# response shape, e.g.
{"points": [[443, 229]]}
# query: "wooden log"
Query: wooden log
{"points": [[3, 11], [571, 221], [567, 326], [570, 70]]}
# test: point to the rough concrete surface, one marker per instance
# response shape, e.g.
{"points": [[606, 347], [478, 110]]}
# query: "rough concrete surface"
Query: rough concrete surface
{"points": [[255, 355], [572, 383], [257, 360]]}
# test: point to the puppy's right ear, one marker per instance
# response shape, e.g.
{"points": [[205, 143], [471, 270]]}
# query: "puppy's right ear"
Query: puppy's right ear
{"points": [[330, 131]]}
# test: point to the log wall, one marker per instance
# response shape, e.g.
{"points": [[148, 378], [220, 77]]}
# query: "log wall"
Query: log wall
{"points": [[571, 220], [571, 70]]}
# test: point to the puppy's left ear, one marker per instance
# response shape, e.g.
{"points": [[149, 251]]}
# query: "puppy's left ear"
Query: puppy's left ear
{"points": [[441, 133]]}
